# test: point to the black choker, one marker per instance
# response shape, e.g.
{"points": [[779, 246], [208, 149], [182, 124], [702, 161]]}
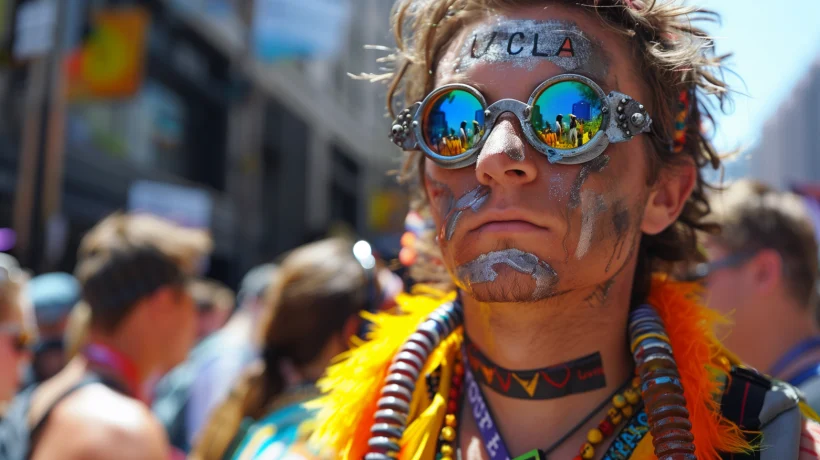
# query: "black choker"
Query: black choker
{"points": [[577, 376]]}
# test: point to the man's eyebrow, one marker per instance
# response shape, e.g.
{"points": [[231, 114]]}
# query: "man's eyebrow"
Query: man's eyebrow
{"points": [[465, 80]]}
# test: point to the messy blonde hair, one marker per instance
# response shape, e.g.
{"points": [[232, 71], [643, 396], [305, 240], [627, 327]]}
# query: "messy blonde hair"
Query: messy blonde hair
{"points": [[673, 56]]}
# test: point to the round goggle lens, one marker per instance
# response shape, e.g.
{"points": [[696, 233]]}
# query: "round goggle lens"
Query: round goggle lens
{"points": [[567, 115], [453, 123]]}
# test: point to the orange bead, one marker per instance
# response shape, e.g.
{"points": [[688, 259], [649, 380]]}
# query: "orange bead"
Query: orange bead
{"points": [[407, 256], [408, 239], [450, 420]]}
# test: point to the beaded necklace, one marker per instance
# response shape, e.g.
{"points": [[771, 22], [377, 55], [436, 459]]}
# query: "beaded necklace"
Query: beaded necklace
{"points": [[659, 381]]}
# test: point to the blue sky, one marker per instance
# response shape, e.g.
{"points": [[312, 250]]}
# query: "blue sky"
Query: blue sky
{"points": [[773, 43]]}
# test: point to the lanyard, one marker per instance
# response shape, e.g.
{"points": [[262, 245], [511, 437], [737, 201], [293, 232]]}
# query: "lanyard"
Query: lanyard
{"points": [[812, 370], [792, 355], [481, 413], [111, 361]]}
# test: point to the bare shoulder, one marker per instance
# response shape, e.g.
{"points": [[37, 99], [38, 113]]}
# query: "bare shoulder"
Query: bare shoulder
{"points": [[98, 423]]}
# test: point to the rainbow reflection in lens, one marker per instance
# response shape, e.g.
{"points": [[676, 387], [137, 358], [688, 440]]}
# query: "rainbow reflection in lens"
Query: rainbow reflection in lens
{"points": [[453, 123], [567, 115]]}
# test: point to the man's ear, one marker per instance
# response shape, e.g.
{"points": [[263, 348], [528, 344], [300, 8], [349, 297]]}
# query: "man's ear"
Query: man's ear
{"points": [[767, 270], [668, 196]]}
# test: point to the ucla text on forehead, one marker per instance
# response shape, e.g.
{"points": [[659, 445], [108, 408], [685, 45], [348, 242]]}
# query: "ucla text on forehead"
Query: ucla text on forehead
{"points": [[524, 43], [518, 42]]}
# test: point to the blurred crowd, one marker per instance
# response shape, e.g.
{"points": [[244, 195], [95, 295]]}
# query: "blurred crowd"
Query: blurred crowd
{"points": [[136, 355]]}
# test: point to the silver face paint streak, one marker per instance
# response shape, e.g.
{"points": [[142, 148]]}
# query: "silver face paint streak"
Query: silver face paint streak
{"points": [[525, 43], [593, 206], [480, 270], [474, 200], [596, 165]]}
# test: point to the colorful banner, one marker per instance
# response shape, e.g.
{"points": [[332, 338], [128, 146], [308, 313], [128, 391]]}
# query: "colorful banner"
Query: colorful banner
{"points": [[111, 62]]}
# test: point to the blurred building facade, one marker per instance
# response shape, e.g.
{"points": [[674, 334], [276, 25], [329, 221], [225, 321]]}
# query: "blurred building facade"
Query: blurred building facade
{"points": [[265, 154], [788, 153]]}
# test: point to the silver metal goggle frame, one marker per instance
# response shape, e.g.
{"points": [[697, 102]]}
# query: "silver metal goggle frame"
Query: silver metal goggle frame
{"points": [[623, 118]]}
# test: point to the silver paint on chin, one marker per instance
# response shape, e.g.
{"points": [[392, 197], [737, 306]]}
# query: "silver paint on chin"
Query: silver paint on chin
{"points": [[525, 43], [480, 270], [473, 200], [593, 206]]}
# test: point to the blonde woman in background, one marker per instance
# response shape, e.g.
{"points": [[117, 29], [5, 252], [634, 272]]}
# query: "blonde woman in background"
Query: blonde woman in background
{"points": [[314, 312]]}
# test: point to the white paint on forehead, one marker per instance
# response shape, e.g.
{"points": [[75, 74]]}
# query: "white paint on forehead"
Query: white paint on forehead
{"points": [[526, 42]]}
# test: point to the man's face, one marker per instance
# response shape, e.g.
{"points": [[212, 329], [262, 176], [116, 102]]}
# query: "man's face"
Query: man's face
{"points": [[530, 229]]}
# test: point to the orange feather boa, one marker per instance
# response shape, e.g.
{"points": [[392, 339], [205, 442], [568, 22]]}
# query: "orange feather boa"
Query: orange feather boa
{"points": [[352, 385]]}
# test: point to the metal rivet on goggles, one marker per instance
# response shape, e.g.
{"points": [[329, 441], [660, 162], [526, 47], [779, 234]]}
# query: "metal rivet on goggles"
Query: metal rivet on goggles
{"points": [[568, 118]]}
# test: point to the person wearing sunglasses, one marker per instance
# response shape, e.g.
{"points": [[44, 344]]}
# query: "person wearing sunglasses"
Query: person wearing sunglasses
{"points": [[560, 333], [763, 272]]}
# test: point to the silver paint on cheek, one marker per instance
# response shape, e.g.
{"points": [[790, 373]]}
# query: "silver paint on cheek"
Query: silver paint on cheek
{"points": [[596, 165], [593, 206], [473, 200], [557, 190], [525, 43], [481, 270]]}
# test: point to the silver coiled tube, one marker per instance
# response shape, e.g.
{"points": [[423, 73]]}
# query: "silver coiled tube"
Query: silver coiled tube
{"points": [[393, 407], [661, 387]]}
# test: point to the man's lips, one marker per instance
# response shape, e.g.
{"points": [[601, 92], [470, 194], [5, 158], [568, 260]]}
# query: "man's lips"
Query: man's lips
{"points": [[517, 226], [507, 221]]}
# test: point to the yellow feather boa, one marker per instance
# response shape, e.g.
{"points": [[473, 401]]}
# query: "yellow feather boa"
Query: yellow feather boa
{"points": [[351, 387]]}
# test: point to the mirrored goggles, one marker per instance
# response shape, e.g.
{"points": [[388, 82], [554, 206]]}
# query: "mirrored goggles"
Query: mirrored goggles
{"points": [[568, 118]]}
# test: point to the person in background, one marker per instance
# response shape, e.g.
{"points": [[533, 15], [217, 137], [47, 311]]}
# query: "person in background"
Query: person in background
{"points": [[133, 270], [17, 336], [185, 397], [17, 330], [313, 311], [763, 270], [214, 302], [52, 295]]}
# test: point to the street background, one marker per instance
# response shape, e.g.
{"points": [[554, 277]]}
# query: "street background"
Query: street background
{"points": [[241, 117]]}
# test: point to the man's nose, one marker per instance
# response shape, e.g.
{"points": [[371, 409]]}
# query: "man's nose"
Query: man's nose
{"points": [[504, 159]]}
